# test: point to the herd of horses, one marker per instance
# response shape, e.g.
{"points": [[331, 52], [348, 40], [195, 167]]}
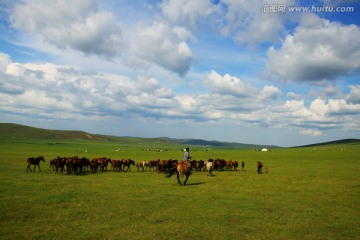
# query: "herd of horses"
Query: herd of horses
{"points": [[81, 165]]}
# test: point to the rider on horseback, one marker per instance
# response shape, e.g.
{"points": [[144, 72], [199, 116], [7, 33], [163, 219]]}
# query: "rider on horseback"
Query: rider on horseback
{"points": [[187, 158], [182, 168]]}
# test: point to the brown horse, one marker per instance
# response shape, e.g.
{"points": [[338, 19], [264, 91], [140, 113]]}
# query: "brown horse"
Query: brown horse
{"points": [[259, 167], [181, 169], [236, 164], [34, 161], [116, 165], [127, 163]]}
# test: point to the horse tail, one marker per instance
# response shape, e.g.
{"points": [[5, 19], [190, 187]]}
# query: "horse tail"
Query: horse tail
{"points": [[173, 169]]}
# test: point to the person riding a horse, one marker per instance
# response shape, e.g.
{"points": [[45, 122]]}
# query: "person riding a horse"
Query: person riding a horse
{"points": [[187, 158], [182, 168]]}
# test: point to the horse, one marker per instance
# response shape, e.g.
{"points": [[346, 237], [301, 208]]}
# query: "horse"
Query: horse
{"points": [[219, 164], [59, 163], [140, 165], [181, 169], [116, 165], [209, 166], [236, 164], [34, 161], [127, 163], [146, 164], [259, 167], [197, 164], [229, 165], [86, 164], [103, 163], [153, 164], [94, 166]]}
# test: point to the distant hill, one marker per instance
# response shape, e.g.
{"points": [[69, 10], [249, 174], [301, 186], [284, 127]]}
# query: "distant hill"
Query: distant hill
{"points": [[17, 131], [205, 143], [337, 142], [11, 131]]}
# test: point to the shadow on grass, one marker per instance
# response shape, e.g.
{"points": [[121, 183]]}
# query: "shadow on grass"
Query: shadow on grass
{"points": [[194, 184], [189, 184]]}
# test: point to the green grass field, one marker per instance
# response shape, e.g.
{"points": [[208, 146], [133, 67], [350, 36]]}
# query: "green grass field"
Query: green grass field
{"points": [[309, 193]]}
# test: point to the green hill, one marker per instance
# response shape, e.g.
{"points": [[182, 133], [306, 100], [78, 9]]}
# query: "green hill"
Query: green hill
{"points": [[11, 131], [17, 131], [349, 141]]}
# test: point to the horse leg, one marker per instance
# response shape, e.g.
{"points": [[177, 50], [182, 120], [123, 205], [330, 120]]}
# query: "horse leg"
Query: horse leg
{"points": [[178, 178], [39, 168], [187, 176], [28, 168]]}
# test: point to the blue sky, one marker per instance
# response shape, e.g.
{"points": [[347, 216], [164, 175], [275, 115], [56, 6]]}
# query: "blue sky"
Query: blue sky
{"points": [[226, 70]]}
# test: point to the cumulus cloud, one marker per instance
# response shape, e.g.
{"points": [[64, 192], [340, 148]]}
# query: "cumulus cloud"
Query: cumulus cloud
{"points": [[269, 92], [53, 91], [76, 24], [311, 132], [164, 46], [318, 50], [5, 60], [227, 84], [246, 23], [295, 116], [354, 95], [66, 92], [188, 12], [241, 20]]}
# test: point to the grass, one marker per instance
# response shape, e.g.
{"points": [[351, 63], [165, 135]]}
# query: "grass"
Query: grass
{"points": [[307, 194]]}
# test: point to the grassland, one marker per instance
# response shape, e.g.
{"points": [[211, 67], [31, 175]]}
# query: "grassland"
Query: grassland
{"points": [[309, 193]]}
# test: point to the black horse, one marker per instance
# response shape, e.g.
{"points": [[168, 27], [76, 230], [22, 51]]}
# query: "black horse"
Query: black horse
{"points": [[34, 161], [259, 167]]}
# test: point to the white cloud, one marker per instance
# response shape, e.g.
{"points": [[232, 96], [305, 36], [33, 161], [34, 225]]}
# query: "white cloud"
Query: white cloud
{"points": [[341, 107], [294, 96], [318, 50], [55, 91], [187, 12], [354, 95], [5, 60], [241, 20], [50, 91], [164, 46], [311, 132], [247, 23], [70, 24], [227, 84], [319, 107], [269, 92]]}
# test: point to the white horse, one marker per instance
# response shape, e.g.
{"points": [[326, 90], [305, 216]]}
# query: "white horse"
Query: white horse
{"points": [[209, 166], [146, 164]]}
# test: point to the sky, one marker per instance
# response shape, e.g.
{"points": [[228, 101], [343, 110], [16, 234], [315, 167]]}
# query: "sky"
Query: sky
{"points": [[273, 72]]}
